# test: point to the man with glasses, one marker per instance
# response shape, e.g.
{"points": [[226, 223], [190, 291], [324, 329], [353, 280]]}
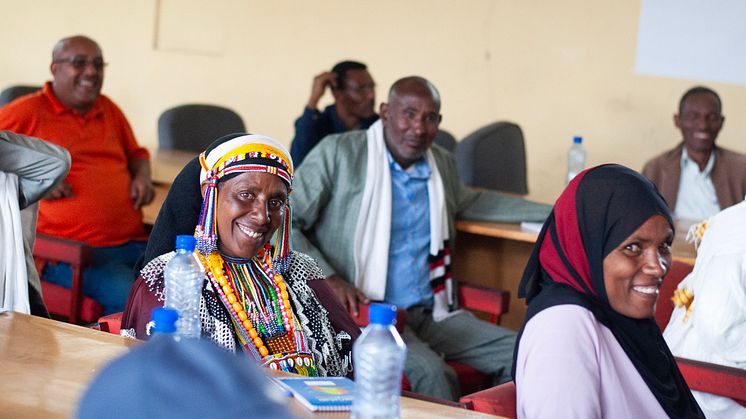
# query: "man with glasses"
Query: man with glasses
{"points": [[354, 94], [698, 178], [99, 202]]}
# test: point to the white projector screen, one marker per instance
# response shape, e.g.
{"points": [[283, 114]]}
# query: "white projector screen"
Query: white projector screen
{"points": [[693, 39]]}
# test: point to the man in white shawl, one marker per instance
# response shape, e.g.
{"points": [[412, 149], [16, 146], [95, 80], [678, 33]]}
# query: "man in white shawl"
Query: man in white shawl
{"points": [[712, 328], [377, 209], [29, 168]]}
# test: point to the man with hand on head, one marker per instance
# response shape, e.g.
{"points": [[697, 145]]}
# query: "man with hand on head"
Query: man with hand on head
{"points": [[99, 202], [377, 209], [697, 178], [354, 98]]}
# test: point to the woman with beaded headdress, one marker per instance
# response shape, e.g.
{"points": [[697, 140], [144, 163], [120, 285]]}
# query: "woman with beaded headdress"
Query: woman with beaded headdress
{"points": [[266, 301]]}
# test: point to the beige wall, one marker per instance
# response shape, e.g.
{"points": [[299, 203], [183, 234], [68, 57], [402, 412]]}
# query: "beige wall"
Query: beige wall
{"points": [[556, 68]]}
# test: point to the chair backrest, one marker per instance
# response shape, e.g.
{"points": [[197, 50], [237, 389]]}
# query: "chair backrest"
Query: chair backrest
{"points": [[111, 323], [494, 157], [714, 379], [445, 139], [493, 303], [13, 92], [62, 302], [664, 306], [500, 400], [193, 127]]}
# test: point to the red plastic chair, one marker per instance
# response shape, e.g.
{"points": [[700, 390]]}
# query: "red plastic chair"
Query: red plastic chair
{"points": [[664, 306], [111, 323], [489, 302], [714, 379], [485, 300], [500, 400], [493, 304], [61, 302]]}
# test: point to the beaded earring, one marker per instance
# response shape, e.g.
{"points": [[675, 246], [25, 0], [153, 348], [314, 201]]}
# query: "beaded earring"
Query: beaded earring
{"points": [[283, 243], [206, 231]]}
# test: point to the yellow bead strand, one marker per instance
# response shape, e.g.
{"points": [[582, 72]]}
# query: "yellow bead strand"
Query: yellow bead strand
{"points": [[215, 264], [683, 298]]}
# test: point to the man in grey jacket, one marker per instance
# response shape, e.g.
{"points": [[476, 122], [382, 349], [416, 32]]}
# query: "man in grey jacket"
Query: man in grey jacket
{"points": [[39, 166], [377, 208]]}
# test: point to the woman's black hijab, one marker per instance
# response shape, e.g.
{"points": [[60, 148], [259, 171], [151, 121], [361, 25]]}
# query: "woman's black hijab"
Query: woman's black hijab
{"points": [[598, 210], [179, 213]]}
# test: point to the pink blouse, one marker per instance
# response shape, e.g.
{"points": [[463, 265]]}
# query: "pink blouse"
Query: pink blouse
{"points": [[571, 366]]}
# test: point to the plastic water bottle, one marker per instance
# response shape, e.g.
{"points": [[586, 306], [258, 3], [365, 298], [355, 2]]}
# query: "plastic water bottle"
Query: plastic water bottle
{"points": [[183, 287], [378, 357], [575, 158]]}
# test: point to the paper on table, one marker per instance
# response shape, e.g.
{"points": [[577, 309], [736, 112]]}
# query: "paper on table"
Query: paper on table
{"points": [[533, 227]]}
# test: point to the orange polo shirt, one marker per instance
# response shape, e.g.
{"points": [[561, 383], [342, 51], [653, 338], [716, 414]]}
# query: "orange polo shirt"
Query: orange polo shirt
{"points": [[101, 143]]}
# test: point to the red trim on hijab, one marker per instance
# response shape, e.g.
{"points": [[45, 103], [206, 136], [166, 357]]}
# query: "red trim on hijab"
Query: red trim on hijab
{"points": [[570, 241]]}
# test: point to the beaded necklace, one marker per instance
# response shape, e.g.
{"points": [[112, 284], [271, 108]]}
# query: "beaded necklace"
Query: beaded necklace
{"points": [[257, 299]]}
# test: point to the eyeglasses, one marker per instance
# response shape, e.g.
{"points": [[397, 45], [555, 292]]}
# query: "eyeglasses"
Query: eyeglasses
{"points": [[80, 62]]}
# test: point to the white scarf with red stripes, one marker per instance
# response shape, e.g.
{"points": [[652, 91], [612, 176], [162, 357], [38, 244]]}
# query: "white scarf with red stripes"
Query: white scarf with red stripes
{"points": [[373, 230]]}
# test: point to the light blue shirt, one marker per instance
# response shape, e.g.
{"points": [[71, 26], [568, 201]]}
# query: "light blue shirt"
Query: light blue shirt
{"points": [[696, 199], [408, 275]]}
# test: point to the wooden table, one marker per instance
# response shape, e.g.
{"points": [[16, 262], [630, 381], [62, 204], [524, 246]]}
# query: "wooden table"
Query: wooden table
{"points": [[495, 254], [409, 407], [166, 164], [46, 366]]}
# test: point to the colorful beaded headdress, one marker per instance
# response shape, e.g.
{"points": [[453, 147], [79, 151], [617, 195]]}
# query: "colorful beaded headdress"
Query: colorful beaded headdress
{"points": [[247, 153]]}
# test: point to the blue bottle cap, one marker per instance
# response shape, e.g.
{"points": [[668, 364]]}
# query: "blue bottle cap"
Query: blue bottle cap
{"points": [[185, 242], [164, 320], [380, 313], [577, 139]]}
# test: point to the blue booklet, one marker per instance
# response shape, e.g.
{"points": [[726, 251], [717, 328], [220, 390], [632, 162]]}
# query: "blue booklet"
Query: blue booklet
{"points": [[321, 393]]}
